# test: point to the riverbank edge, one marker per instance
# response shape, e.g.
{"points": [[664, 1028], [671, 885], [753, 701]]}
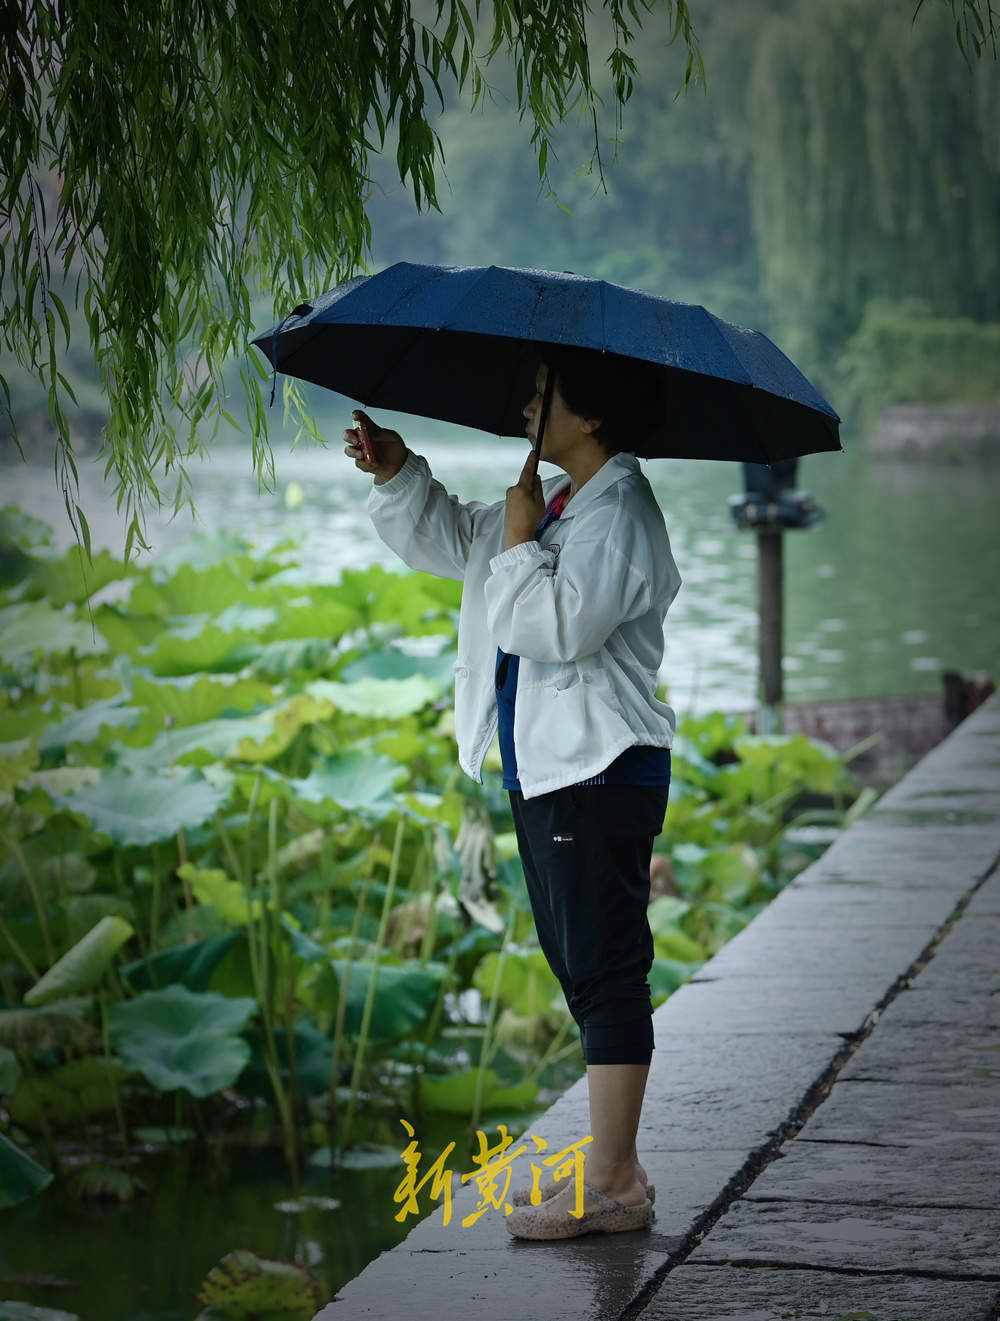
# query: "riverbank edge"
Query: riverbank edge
{"points": [[745, 1053]]}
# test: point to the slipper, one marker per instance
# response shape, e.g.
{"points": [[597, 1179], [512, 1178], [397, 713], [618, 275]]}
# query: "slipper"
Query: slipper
{"points": [[522, 1196], [607, 1217]]}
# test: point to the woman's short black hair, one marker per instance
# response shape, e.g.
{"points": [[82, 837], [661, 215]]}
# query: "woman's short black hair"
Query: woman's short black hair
{"points": [[625, 393]]}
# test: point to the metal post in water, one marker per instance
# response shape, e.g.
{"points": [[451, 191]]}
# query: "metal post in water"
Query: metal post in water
{"points": [[770, 591]]}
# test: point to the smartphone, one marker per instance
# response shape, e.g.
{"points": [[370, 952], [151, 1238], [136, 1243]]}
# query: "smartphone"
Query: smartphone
{"points": [[367, 452]]}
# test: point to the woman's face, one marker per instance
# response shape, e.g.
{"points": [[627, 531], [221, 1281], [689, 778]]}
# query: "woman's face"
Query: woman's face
{"points": [[564, 430]]}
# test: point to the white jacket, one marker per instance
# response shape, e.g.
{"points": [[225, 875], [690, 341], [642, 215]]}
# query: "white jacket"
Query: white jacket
{"points": [[583, 608]]}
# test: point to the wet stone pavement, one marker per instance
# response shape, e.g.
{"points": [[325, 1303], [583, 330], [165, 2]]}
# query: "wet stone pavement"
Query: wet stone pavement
{"points": [[822, 1119]]}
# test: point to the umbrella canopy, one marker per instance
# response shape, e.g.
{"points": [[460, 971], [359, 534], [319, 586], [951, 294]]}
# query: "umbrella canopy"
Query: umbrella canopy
{"points": [[462, 344]]}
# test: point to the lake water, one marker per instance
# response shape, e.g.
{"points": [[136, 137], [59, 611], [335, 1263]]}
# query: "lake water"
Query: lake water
{"points": [[897, 584]]}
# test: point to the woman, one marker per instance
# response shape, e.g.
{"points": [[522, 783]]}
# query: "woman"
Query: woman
{"points": [[560, 639]]}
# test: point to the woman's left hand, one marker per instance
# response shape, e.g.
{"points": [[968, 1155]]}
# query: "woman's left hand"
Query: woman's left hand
{"points": [[525, 505]]}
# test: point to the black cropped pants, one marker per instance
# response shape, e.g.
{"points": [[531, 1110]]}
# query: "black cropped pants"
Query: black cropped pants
{"points": [[585, 851]]}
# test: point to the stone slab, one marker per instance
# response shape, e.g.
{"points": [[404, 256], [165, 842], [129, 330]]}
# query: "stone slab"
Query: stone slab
{"points": [[908, 1053], [945, 1006], [895, 853], [885, 1113], [986, 900], [712, 1293], [729, 1092], [861, 1238], [561, 1281], [968, 956], [783, 1007], [949, 1173], [836, 956]]}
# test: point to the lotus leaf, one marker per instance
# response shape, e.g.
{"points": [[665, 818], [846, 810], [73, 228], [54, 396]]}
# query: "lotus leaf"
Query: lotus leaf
{"points": [[20, 1178], [688, 762], [16, 761], [84, 911], [196, 744], [303, 946], [126, 631], [201, 550], [316, 619], [156, 1135], [198, 702], [10, 1071], [527, 983], [354, 781], [386, 699], [181, 1038], [393, 663], [285, 658], [145, 809], [22, 529], [729, 874], [299, 1205], [85, 726], [403, 995], [677, 946], [191, 965], [212, 886], [665, 914], [313, 1061], [666, 975], [100, 1184], [21, 721], [279, 726], [83, 966], [246, 1286], [456, 1094], [367, 1156], [69, 1097], [712, 733], [214, 649], [75, 576], [58, 1024], [212, 589], [63, 779], [31, 627]]}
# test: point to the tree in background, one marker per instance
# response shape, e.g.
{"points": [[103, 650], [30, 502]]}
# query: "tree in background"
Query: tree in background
{"points": [[172, 160], [873, 164], [165, 165]]}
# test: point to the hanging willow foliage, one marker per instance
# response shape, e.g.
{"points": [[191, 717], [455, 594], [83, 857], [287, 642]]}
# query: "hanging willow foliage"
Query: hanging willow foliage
{"points": [[174, 159], [873, 158]]}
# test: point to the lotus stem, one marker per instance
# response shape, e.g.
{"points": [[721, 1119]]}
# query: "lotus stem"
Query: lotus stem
{"points": [[154, 911], [14, 844], [553, 1051], [366, 1015], [32, 1075], [345, 982], [436, 1012], [18, 952], [257, 943], [235, 866], [477, 1103], [112, 1080]]}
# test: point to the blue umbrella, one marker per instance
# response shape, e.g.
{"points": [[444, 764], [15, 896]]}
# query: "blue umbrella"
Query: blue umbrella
{"points": [[462, 344]]}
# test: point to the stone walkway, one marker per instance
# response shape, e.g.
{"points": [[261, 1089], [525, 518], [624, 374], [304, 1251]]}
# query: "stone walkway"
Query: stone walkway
{"points": [[822, 1118]]}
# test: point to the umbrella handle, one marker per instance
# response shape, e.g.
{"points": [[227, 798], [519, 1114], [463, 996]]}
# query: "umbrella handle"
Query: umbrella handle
{"points": [[550, 385]]}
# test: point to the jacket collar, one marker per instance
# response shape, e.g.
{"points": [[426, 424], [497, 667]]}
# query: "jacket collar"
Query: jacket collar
{"points": [[617, 467]]}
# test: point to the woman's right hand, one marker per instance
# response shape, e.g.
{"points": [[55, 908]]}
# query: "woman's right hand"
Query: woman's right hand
{"points": [[390, 450]]}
